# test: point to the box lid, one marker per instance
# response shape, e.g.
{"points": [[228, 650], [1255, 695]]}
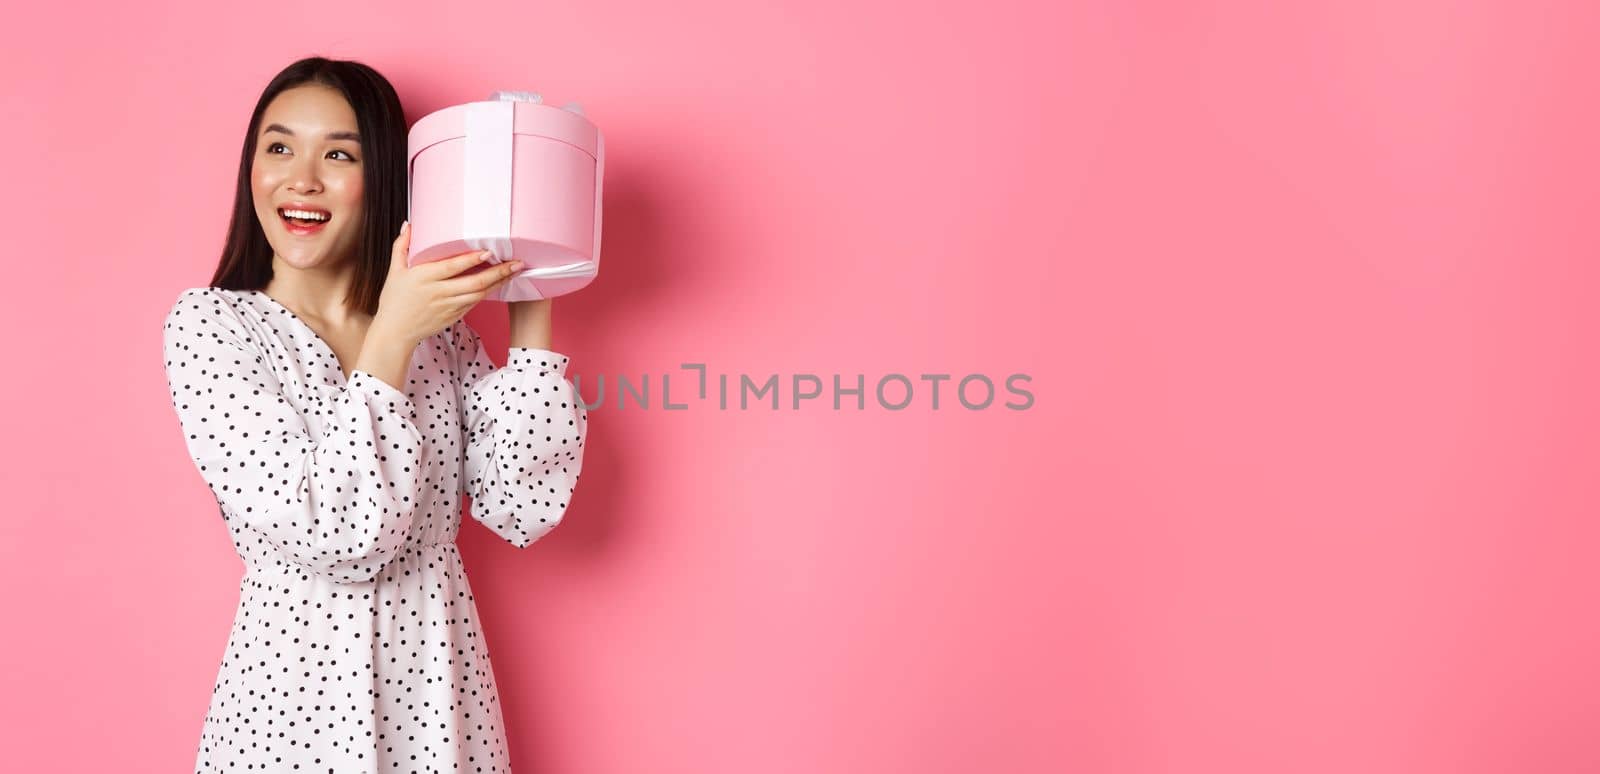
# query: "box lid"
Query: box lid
{"points": [[530, 118]]}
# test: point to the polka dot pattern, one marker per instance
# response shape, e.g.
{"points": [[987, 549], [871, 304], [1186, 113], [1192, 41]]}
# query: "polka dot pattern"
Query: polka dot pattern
{"points": [[356, 645]]}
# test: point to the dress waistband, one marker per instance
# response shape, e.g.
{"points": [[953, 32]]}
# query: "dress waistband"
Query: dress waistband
{"points": [[273, 563]]}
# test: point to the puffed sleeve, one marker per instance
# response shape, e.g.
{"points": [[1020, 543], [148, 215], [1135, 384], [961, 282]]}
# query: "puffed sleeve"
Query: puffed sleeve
{"points": [[525, 428], [338, 502]]}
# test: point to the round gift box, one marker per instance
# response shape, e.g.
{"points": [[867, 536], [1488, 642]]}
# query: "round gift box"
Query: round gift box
{"points": [[543, 208]]}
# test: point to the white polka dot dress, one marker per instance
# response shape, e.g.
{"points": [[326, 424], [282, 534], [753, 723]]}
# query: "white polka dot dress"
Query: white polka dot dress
{"points": [[356, 646]]}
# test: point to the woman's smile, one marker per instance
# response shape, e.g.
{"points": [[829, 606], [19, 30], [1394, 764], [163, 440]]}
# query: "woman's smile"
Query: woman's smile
{"points": [[302, 219]]}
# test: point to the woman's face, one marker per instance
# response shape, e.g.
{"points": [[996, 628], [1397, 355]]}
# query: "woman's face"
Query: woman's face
{"points": [[308, 157]]}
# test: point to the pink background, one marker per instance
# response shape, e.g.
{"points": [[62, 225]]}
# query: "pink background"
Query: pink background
{"points": [[1307, 296]]}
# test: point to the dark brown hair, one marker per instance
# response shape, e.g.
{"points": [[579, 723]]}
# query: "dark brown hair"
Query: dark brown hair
{"points": [[247, 256]]}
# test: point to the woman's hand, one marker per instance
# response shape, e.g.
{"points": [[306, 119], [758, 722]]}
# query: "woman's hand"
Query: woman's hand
{"points": [[419, 301]]}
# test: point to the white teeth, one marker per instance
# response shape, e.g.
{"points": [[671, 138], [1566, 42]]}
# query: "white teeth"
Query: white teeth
{"points": [[304, 215]]}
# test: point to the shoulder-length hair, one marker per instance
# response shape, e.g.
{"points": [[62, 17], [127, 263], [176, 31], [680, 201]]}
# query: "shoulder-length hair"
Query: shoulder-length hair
{"points": [[247, 256]]}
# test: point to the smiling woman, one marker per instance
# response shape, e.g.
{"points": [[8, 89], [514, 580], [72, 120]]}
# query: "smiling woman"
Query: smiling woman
{"points": [[327, 139], [356, 646]]}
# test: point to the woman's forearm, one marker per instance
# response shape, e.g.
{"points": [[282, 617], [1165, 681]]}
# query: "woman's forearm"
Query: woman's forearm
{"points": [[386, 356], [530, 323]]}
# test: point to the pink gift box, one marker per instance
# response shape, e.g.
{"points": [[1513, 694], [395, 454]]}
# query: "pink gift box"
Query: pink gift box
{"points": [[514, 176]]}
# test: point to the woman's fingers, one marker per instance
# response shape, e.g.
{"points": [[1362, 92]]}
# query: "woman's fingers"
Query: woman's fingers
{"points": [[479, 280], [468, 300], [471, 298], [455, 264], [402, 246]]}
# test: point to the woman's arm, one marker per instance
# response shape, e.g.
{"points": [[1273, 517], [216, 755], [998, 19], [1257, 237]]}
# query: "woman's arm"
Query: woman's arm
{"points": [[525, 430], [530, 324], [339, 502], [386, 355]]}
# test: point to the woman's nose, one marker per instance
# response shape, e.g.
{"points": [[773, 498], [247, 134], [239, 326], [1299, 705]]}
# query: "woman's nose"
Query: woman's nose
{"points": [[303, 177]]}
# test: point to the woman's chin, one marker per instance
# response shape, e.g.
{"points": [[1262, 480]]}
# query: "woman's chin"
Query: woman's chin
{"points": [[301, 256]]}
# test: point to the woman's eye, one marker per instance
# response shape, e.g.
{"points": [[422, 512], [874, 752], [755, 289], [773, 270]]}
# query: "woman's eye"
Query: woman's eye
{"points": [[271, 148]]}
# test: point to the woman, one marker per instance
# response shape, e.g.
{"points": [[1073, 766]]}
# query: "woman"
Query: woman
{"points": [[338, 407]]}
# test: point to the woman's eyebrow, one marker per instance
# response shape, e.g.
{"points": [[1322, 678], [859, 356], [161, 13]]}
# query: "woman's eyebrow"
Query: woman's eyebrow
{"points": [[331, 135]]}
